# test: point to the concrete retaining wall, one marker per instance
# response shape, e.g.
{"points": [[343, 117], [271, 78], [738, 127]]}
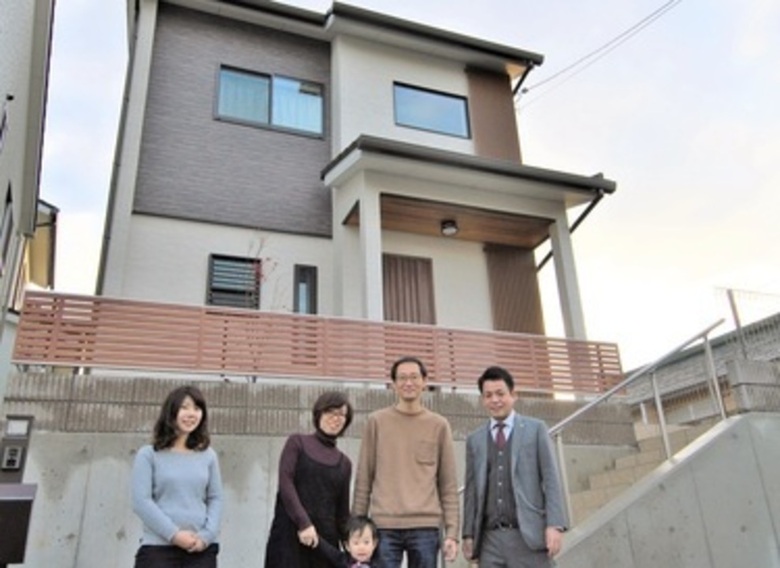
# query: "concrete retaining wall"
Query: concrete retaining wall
{"points": [[87, 429], [715, 505]]}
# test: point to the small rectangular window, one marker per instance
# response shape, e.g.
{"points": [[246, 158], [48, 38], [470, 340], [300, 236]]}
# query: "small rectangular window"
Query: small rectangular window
{"points": [[305, 299], [234, 282], [431, 110], [268, 100]]}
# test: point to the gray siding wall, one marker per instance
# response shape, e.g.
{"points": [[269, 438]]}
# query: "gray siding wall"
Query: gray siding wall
{"points": [[196, 167]]}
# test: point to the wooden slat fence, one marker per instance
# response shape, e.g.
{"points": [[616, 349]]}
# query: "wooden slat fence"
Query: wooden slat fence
{"points": [[97, 332]]}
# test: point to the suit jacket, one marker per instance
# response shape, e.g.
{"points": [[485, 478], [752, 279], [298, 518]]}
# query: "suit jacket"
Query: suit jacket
{"points": [[535, 482]]}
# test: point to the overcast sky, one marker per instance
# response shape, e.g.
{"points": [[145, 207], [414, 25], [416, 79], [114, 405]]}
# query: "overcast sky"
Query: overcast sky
{"points": [[683, 116]]}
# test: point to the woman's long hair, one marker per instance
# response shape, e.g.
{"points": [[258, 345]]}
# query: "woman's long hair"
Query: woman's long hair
{"points": [[165, 432]]}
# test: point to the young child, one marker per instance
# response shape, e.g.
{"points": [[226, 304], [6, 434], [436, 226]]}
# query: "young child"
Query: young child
{"points": [[362, 540]]}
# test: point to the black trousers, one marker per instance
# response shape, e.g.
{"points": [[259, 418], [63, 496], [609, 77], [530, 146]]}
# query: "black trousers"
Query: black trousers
{"points": [[149, 556]]}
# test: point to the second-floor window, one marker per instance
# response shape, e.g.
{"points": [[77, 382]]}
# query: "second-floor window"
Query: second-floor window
{"points": [[431, 110], [270, 100], [234, 282]]}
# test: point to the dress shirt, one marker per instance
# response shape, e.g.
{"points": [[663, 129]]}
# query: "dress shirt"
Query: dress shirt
{"points": [[509, 423]]}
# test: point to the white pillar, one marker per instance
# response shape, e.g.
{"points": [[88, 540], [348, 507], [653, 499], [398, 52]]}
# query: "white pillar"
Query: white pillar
{"points": [[566, 275], [371, 250]]}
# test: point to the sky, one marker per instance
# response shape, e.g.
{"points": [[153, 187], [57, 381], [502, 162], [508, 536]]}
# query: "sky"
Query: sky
{"points": [[682, 115]]}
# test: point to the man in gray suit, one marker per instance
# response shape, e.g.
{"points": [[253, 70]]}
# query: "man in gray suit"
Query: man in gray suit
{"points": [[513, 505]]}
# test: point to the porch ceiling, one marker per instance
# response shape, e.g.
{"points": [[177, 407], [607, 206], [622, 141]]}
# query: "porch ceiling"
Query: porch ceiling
{"points": [[424, 217]]}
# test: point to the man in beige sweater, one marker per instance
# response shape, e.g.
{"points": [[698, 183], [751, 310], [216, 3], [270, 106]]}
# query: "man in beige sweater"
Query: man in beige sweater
{"points": [[406, 477]]}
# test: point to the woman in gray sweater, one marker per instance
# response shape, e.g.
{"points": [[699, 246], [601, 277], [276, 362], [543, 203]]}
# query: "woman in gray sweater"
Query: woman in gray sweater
{"points": [[177, 488]]}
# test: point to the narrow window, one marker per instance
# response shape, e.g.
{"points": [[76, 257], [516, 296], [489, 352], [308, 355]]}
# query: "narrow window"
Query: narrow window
{"points": [[305, 299], [234, 282], [3, 127], [6, 228], [431, 110]]}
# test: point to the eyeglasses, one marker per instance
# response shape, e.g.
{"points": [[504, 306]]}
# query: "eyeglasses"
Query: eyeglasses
{"points": [[409, 378], [335, 413]]}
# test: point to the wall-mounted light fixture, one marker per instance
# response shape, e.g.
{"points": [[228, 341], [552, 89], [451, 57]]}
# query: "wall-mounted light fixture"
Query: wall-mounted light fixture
{"points": [[449, 227]]}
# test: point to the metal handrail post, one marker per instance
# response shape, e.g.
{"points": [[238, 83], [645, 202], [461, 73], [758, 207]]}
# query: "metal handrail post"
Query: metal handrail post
{"points": [[643, 412], [564, 476], [713, 373], [659, 409]]}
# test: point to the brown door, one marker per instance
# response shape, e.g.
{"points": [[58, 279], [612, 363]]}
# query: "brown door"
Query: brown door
{"points": [[408, 289]]}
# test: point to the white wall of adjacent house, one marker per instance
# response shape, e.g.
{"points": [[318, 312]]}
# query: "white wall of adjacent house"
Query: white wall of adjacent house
{"points": [[363, 77], [167, 261], [16, 62]]}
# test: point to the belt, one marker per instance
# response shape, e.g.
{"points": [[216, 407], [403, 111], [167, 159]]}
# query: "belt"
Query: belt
{"points": [[501, 526]]}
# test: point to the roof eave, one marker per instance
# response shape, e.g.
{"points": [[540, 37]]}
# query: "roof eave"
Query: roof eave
{"points": [[590, 185]]}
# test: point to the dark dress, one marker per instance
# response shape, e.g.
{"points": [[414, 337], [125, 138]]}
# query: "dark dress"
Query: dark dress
{"points": [[314, 479]]}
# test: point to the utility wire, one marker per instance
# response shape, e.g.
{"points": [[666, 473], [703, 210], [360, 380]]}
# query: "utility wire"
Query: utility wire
{"points": [[592, 57]]}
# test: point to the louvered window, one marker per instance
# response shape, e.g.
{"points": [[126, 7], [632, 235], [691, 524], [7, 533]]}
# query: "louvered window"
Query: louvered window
{"points": [[234, 282]]}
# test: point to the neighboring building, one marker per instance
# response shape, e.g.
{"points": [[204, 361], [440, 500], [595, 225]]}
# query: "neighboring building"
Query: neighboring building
{"points": [[685, 379], [25, 44], [347, 164]]}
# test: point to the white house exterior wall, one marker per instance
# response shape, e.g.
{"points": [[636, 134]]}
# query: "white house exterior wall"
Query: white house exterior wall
{"points": [[363, 77], [167, 261]]}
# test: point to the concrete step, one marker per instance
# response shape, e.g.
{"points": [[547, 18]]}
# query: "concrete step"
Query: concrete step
{"points": [[627, 470]]}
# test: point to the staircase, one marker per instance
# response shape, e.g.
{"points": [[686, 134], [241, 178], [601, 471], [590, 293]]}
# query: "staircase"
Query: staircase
{"points": [[627, 470]]}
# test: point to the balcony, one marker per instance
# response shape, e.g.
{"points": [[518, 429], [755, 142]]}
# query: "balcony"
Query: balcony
{"points": [[89, 332]]}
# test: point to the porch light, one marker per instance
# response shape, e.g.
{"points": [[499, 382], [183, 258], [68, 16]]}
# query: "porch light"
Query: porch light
{"points": [[449, 228]]}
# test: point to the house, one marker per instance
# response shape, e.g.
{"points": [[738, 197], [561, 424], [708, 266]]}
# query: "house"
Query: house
{"points": [[359, 168], [25, 44], [342, 164]]}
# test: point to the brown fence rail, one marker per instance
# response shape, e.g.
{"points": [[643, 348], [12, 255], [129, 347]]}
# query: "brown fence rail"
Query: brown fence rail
{"points": [[97, 332]]}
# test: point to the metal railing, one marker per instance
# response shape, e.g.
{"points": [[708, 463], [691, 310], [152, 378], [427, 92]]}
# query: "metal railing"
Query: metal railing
{"points": [[646, 372]]}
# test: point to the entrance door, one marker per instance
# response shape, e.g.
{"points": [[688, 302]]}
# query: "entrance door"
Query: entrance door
{"points": [[408, 289]]}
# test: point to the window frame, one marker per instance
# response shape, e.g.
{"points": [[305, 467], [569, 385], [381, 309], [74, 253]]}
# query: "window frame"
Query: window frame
{"points": [[272, 123], [444, 95], [252, 294]]}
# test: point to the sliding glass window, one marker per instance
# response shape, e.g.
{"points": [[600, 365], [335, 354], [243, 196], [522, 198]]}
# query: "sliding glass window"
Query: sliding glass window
{"points": [[267, 100]]}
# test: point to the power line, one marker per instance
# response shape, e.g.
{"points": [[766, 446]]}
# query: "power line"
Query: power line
{"points": [[592, 57]]}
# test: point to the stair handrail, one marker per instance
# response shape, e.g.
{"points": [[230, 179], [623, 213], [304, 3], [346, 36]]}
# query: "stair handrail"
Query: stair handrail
{"points": [[556, 430]]}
